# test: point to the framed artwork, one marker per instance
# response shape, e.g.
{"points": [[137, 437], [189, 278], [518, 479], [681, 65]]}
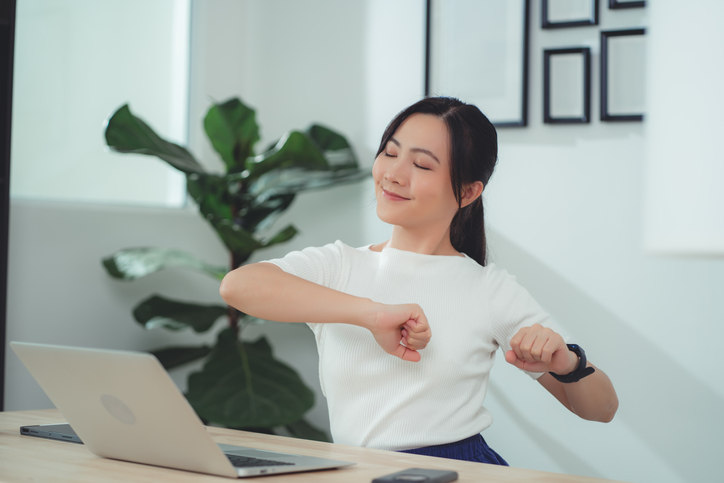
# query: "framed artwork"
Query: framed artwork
{"points": [[477, 51], [567, 85], [622, 74], [568, 13], [615, 4]]}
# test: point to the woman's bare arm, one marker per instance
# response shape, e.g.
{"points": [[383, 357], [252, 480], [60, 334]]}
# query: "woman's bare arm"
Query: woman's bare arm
{"points": [[268, 292], [540, 349]]}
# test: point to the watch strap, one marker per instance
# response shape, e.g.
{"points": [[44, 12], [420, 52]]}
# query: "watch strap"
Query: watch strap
{"points": [[580, 371]]}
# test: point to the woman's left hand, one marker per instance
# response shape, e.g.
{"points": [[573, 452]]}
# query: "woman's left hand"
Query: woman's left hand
{"points": [[540, 349]]}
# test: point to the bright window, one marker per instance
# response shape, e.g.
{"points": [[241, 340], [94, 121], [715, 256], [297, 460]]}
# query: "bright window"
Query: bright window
{"points": [[76, 62]]}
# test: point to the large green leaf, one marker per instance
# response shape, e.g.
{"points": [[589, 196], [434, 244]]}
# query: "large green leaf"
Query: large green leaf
{"points": [[259, 213], [283, 235], [338, 151], [295, 149], [127, 133], [133, 263], [236, 239], [157, 311], [233, 131], [242, 243], [211, 194], [172, 357], [221, 201], [327, 139], [243, 385]]}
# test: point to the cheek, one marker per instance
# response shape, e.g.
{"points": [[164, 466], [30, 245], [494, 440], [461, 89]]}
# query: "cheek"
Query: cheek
{"points": [[445, 199], [438, 189], [377, 169]]}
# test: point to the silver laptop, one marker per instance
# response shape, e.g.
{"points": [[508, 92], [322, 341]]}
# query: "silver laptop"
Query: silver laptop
{"points": [[124, 406]]}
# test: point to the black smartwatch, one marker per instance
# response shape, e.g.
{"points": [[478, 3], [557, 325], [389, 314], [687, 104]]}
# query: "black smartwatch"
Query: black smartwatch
{"points": [[580, 371]]}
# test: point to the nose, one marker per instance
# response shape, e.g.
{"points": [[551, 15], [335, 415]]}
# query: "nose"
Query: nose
{"points": [[396, 171]]}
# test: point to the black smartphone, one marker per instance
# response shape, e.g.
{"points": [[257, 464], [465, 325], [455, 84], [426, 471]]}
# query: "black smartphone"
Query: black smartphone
{"points": [[417, 475], [60, 432]]}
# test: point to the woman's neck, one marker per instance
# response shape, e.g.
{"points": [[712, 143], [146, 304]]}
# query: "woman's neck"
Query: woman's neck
{"points": [[428, 242]]}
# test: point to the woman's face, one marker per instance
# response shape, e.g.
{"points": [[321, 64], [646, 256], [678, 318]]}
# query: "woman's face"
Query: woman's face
{"points": [[412, 175]]}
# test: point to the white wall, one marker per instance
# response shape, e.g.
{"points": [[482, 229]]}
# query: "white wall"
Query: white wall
{"points": [[564, 210], [683, 206], [566, 214]]}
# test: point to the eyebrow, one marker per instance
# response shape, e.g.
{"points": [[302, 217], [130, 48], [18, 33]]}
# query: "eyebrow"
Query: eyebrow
{"points": [[417, 150]]}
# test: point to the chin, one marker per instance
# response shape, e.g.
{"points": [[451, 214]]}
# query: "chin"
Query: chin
{"points": [[387, 217]]}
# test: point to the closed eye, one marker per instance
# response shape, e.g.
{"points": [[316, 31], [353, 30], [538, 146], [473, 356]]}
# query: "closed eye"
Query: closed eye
{"points": [[390, 155], [421, 167]]}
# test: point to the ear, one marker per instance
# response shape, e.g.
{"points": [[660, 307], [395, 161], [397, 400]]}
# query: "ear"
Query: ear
{"points": [[471, 192]]}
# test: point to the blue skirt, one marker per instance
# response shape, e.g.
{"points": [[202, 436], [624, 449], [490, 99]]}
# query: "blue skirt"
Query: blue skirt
{"points": [[473, 448]]}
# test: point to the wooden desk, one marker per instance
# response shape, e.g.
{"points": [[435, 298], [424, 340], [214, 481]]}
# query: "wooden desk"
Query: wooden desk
{"points": [[26, 458]]}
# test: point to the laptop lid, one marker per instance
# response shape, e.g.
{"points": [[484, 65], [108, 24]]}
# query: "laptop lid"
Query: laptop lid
{"points": [[124, 406]]}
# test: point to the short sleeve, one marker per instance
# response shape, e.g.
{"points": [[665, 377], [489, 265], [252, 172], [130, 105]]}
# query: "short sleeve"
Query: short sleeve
{"points": [[512, 307], [320, 265], [324, 265]]}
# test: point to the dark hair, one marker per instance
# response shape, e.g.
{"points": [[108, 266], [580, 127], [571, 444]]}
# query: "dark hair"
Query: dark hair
{"points": [[474, 152]]}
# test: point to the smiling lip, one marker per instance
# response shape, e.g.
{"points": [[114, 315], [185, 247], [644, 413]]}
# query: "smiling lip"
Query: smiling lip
{"points": [[393, 196]]}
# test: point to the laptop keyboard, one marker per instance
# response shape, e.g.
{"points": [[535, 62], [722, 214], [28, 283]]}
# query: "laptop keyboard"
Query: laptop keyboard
{"points": [[248, 462]]}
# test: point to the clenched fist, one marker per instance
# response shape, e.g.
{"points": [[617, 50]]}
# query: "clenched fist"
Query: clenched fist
{"points": [[401, 330], [540, 349]]}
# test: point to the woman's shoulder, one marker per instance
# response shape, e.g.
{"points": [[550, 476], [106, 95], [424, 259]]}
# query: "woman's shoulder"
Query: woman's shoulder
{"points": [[340, 251], [346, 248], [496, 274], [313, 254], [490, 277]]}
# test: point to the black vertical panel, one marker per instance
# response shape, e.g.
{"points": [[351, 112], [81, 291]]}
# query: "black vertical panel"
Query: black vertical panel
{"points": [[7, 41], [428, 19]]}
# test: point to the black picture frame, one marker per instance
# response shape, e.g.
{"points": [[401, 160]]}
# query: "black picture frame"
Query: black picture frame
{"points": [[467, 61], [551, 17], [563, 107], [612, 93], [619, 4]]}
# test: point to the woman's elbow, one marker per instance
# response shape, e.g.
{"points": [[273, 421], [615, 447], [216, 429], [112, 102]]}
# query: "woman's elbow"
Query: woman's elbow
{"points": [[610, 411], [225, 288], [232, 288], [604, 413], [245, 286]]}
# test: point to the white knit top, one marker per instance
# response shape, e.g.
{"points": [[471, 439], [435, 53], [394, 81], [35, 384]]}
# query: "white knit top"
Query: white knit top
{"points": [[380, 401]]}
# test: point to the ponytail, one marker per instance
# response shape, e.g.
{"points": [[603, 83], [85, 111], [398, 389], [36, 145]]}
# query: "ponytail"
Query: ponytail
{"points": [[467, 231]]}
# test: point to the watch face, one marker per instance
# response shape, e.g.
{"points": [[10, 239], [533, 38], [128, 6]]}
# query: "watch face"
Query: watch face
{"points": [[575, 348]]}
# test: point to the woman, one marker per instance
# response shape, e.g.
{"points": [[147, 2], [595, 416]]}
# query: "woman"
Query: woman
{"points": [[407, 329]]}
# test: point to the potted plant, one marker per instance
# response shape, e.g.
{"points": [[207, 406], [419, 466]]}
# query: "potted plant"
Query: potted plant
{"points": [[240, 383]]}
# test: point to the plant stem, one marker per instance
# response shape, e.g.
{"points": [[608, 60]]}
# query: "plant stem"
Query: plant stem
{"points": [[234, 263], [234, 320]]}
